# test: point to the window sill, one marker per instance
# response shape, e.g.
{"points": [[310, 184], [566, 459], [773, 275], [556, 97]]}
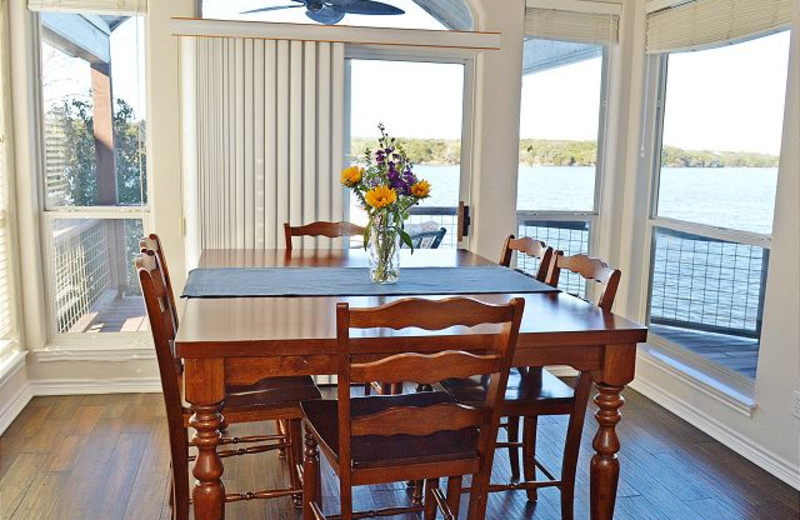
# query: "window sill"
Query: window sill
{"points": [[137, 346], [11, 361], [734, 391]]}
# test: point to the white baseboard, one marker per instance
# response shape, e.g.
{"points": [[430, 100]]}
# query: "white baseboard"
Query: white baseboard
{"points": [[755, 453], [15, 405], [95, 386]]}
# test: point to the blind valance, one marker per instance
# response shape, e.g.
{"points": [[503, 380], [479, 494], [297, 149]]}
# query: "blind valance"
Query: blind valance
{"points": [[130, 7], [553, 24], [711, 23]]}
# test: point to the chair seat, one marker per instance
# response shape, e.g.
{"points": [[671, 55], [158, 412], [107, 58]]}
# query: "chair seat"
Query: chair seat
{"points": [[269, 394], [526, 389], [373, 450]]}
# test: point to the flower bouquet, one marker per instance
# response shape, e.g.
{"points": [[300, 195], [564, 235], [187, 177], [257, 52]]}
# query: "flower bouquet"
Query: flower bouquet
{"points": [[387, 188]]}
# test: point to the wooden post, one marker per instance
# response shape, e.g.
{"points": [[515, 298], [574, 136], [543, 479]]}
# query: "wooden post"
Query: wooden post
{"points": [[103, 113]]}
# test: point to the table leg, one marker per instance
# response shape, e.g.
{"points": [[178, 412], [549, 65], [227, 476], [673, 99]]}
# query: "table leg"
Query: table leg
{"points": [[209, 491], [605, 465]]}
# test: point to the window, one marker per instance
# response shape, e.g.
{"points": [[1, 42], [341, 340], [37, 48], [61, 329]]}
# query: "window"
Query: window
{"points": [[95, 175], [561, 123], [722, 121], [7, 307], [433, 143]]}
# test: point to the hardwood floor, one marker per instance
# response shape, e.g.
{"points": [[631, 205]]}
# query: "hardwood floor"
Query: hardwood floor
{"points": [[104, 457]]}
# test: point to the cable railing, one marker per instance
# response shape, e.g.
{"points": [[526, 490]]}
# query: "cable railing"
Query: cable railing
{"points": [[707, 284]]}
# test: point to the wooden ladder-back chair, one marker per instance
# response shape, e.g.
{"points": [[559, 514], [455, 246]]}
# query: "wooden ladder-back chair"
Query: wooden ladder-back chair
{"points": [[268, 399], [530, 247], [321, 229], [424, 436], [152, 242], [533, 391]]}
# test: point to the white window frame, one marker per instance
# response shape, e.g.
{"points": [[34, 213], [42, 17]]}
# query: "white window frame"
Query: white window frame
{"points": [[463, 57], [593, 216], [654, 114], [57, 341]]}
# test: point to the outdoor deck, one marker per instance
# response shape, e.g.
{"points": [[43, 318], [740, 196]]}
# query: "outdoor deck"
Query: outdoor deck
{"points": [[113, 313]]}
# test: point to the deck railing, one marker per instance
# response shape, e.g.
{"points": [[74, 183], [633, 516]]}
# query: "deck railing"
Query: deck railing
{"points": [[707, 284], [446, 217]]}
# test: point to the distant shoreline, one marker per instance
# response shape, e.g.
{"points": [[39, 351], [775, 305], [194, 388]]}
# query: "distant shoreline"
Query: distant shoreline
{"points": [[539, 152]]}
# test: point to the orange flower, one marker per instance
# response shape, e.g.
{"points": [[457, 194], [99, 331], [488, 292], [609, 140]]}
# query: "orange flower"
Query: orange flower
{"points": [[421, 189], [352, 176], [380, 197]]}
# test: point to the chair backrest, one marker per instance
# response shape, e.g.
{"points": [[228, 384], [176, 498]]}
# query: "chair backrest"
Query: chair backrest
{"points": [[426, 362], [427, 239], [163, 329], [153, 243], [531, 247], [321, 229], [589, 269]]}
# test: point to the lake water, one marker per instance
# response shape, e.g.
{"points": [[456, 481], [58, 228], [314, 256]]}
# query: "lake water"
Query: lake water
{"points": [[738, 198]]}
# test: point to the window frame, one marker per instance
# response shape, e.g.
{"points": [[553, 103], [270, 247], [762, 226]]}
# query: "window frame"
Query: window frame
{"points": [[591, 217], [656, 79], [48, 215]]}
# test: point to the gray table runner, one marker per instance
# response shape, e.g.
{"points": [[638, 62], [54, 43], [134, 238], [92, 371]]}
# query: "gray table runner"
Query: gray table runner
{"points": [[348, 281]]}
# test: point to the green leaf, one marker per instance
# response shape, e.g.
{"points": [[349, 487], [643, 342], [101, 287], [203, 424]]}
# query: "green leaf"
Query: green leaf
{"points": [[406, 238]]}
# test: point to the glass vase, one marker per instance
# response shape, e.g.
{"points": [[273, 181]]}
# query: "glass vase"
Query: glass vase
{"points": [[384, 250]]}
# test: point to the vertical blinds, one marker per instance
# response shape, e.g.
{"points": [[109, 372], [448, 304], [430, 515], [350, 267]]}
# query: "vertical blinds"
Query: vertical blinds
{"points": [[90, 6], [710, 23], [6, 295], [551, 24], [269, 139]]}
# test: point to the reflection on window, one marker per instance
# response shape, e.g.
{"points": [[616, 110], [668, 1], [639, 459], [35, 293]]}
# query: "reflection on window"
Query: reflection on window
{"points": [[94, 127], [723, 122], [95, 286], [559, 124]]}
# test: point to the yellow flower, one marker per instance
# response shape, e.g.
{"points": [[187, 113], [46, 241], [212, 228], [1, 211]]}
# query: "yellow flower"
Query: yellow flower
{"points": [[421, 189], [352, 176], [380, 196]]}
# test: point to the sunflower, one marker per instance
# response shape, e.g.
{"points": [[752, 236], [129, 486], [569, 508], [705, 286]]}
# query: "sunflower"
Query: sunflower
{"points": [[352, 176], [421, 189], [380, 196]]}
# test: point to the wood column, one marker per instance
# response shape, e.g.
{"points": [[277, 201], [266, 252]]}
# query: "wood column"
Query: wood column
{"points": [[103, 114]]}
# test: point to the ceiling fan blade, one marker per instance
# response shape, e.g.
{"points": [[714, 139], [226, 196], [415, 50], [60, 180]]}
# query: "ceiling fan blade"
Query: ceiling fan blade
{"points": [[277, 8], [328, 15], [365, 7]]}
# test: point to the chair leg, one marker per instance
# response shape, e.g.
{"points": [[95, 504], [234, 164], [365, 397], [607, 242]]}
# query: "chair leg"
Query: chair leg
{"points": [[430, 502], [454, 495], [573, 445], [180, 484], [346, 494], [282, 429], [295, 456], [312, 485], [513, 451], [529, 453], [416, 492], [368, 389]]}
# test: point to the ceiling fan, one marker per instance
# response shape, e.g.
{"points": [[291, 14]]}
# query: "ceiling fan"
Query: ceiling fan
{"points": [[330, 12]]}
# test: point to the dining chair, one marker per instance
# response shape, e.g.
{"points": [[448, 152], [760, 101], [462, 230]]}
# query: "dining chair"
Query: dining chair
{"points": [[529, 247], [321, 229], [427, 436], [533, 391], [427, 239], [267, 399], [152, 242]]}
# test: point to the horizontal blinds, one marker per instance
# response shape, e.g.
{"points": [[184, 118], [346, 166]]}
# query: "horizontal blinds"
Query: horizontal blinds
{"points": [[552, 24], [712, 23], [269, 139], [90, 6]]}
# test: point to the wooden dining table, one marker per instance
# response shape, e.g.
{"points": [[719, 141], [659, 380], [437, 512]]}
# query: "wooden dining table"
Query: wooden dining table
{"points": [[227, 341]]}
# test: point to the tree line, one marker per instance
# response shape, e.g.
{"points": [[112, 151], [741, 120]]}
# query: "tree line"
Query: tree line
{"points": [[541, 152]]}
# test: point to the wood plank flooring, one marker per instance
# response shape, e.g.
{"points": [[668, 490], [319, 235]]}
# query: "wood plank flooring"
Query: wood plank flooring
{"points": [[104, 457]]}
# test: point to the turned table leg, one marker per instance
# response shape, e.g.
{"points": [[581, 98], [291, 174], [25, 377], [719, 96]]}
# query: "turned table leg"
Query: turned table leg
{"points": [[605, 465], [209, 491]]}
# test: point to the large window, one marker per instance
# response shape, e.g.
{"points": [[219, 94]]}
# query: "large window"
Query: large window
{"points": [[427, 117], [7, 307], [560, 147], [722, 119], [95, 177]]}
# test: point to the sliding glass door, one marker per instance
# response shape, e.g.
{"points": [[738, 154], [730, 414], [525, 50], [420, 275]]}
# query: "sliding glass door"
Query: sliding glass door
{"points": [[425, 106]]}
